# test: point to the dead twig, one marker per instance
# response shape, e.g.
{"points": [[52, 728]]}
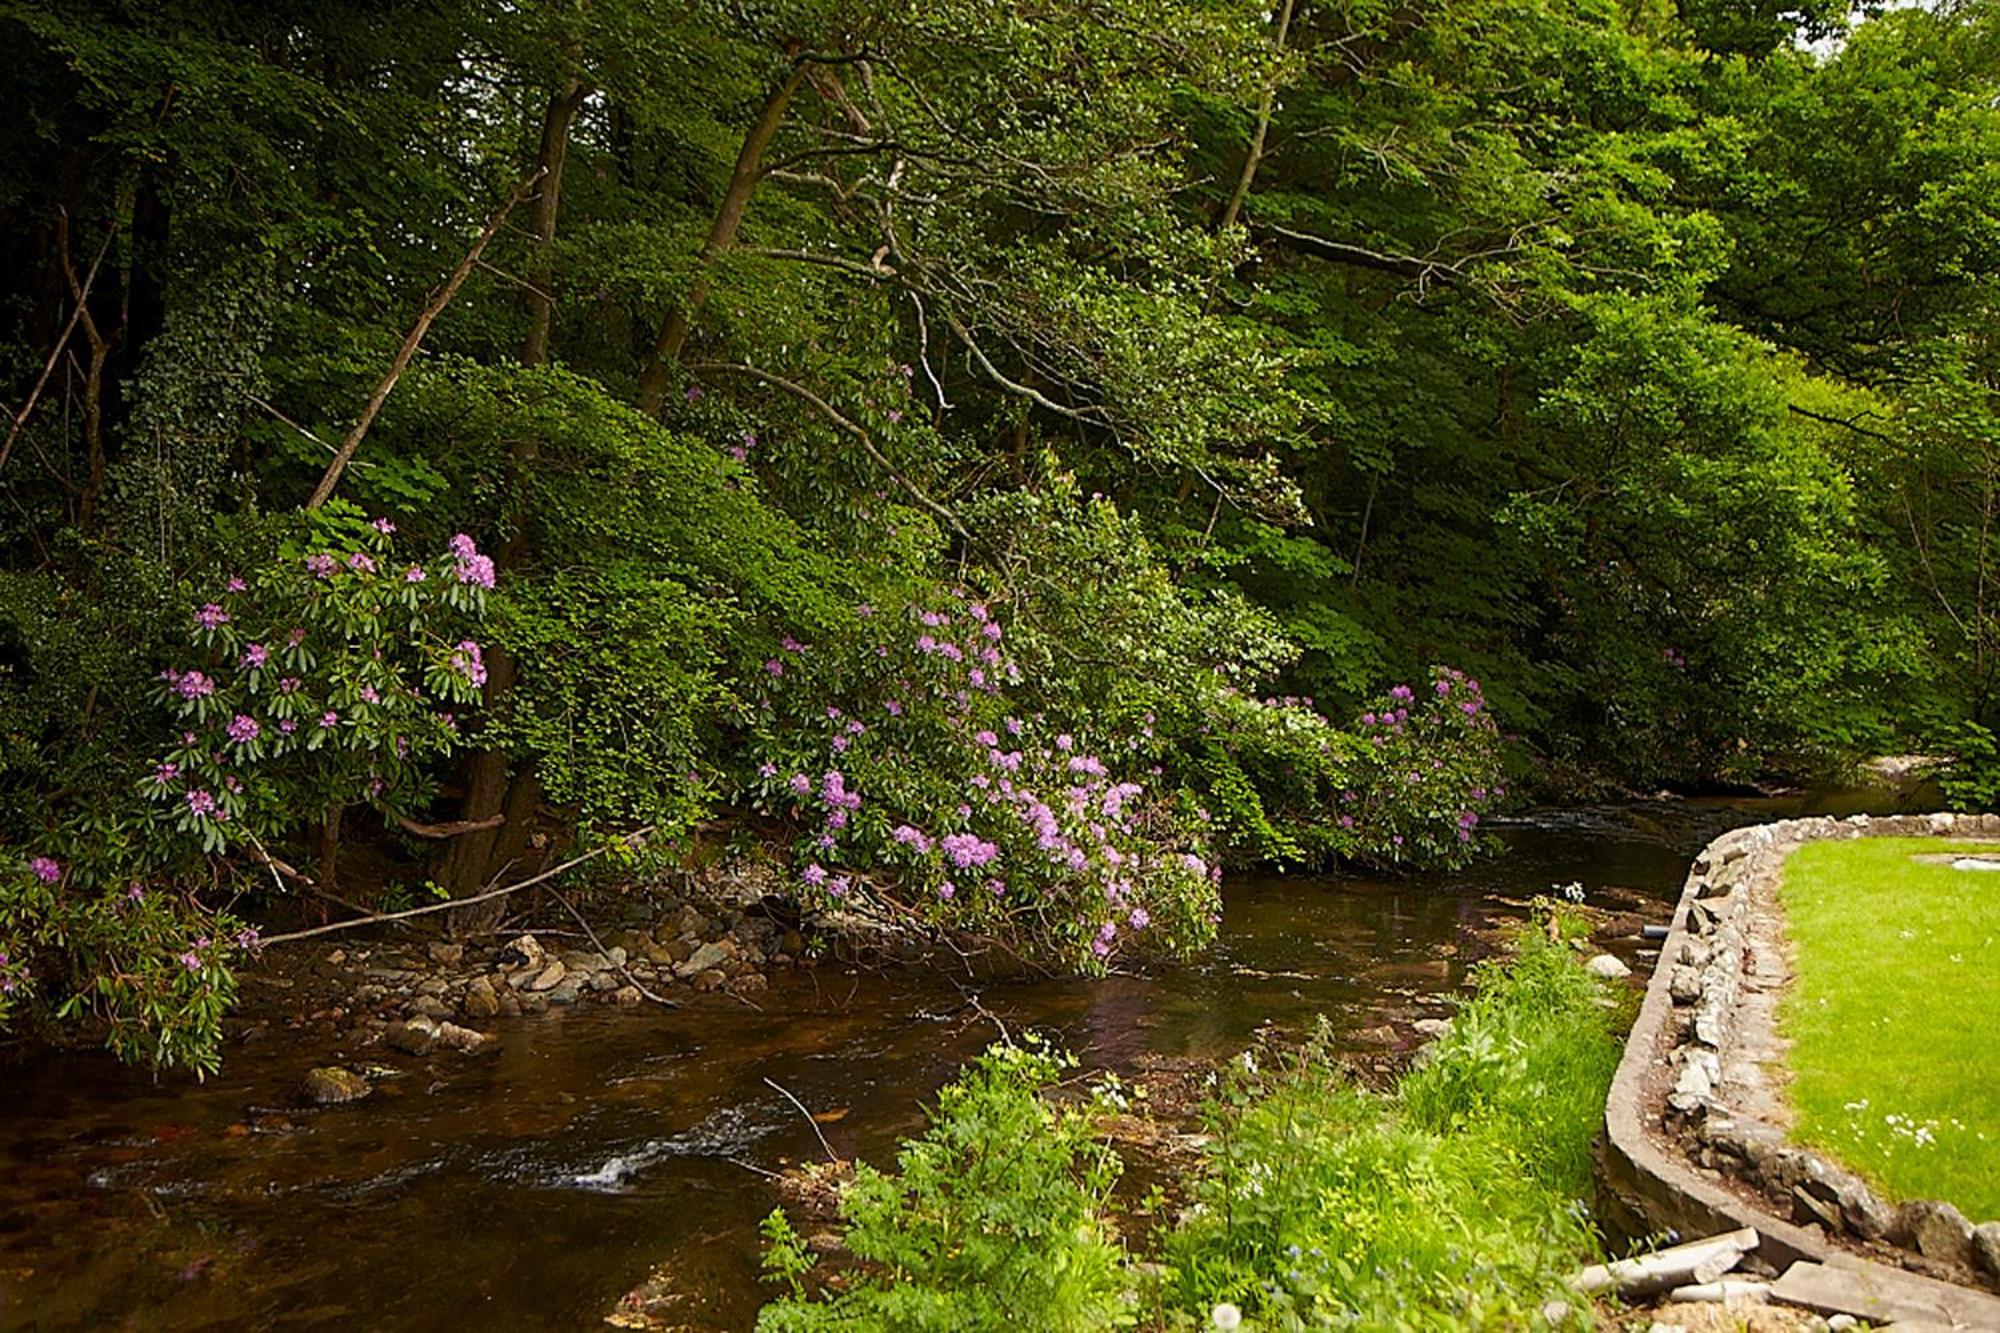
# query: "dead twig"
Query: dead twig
{"points": [[831, 1155]]}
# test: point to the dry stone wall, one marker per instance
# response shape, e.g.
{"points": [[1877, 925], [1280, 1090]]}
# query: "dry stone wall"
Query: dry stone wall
{"points": [[1695, 1128]]}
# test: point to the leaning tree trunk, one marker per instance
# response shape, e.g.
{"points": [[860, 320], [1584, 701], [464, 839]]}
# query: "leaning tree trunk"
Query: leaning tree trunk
{"points": [[656, 375]]}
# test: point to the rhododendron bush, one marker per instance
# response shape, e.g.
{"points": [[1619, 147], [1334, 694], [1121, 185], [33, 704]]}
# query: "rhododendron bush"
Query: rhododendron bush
{"points": [[331, 675], [935, 786], [930, 776]]}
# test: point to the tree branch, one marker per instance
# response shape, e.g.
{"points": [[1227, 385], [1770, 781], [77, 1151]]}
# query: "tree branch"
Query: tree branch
{"points": [[412, 340], [456, 828], [1088, 416], [834, 415], [1811, 415], [1340, 252]]}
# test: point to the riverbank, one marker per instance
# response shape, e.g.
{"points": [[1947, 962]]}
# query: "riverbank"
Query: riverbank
{"points": [[1458, 1194]]}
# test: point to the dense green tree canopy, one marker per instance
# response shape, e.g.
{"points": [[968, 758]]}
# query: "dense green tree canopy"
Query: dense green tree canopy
{"points": [[1180, 380]]}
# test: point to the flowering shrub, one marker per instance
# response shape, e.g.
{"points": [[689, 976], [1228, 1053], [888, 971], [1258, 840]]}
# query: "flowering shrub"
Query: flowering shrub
{"points": [[1177, 681], [924, 784], [328, 677], [1408, 784], [926, 777]]}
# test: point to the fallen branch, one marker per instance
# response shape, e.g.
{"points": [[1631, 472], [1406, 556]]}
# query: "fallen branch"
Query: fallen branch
{"points": [[412, 340], [636, 836], [457, 828]]}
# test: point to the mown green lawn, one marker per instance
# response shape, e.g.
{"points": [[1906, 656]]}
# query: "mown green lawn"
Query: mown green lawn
{"points": [[1895, 1015]]}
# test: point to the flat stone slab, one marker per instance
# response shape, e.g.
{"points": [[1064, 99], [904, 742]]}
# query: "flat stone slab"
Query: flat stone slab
{"points": [[1880, 1294]]}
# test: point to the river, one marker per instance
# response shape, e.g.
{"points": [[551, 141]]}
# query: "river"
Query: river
{"points": [[529, 1188]]}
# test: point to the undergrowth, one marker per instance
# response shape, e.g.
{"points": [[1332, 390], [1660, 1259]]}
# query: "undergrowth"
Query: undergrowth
{"points": [[1454, 1201]]}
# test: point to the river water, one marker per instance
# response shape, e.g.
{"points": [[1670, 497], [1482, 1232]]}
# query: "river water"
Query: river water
{"points": [[531, 1187]]}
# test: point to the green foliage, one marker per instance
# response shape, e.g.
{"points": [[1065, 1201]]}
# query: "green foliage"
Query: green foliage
{"points": [[994, 1220], [1456, 1202], [1063, 763], [1971, 781]]}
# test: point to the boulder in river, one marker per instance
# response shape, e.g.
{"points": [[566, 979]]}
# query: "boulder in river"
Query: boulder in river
{"points": [[332, 1085], [455, 1038], [480, 999], [526, 952], [549, 977], [1607, 967], [415, 1037]]}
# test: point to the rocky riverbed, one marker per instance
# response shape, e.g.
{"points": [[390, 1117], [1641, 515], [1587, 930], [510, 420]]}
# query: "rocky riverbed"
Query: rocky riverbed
{"points": [[425, 994]]}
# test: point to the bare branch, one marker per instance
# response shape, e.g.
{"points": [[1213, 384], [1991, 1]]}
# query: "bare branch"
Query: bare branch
{"points": [[412, 340], [834, 415], [1340, 252], [1089, 416]]}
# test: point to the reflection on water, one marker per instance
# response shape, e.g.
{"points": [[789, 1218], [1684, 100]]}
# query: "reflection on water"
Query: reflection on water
{"points": [[530, 1187]]}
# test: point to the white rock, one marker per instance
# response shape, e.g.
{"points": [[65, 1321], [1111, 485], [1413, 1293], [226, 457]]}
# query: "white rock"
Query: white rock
{"points": [[1607, 967]]}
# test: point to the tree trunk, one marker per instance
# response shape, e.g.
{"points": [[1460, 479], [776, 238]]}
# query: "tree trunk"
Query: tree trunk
{"points": [[556, 123], [657, 373], [1255, 156], [329, 849], [472, 859], [463, 869]]}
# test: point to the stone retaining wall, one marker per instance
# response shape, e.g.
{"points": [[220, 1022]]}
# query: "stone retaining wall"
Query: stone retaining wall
{"points": [[1694, 1129]]}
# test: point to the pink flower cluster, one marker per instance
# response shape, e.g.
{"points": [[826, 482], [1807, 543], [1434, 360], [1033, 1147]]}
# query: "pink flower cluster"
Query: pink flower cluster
{"points": [[472, 568]]}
